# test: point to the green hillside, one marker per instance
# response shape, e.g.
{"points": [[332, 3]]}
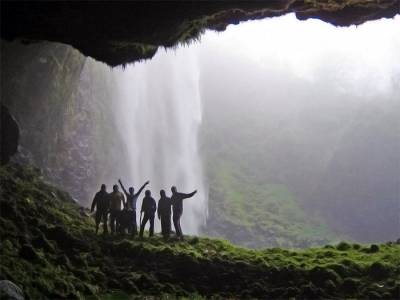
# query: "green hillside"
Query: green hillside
{"points": [[50, 251], [290, 164], [253, 213]]}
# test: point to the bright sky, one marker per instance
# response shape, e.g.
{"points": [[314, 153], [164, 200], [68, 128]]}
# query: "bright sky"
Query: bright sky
{"points": [[369, 52]]}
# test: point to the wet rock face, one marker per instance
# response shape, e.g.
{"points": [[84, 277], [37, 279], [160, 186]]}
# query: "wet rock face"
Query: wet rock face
{"points": [[9, 135], [120, 32], [62, 103]]}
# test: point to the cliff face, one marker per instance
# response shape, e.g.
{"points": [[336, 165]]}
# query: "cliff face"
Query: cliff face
{"points": [[66, 126], [120, 32]]}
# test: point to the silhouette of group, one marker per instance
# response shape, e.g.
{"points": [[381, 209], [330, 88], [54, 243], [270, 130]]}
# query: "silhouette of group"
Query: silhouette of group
{"points": [[124, 219]]}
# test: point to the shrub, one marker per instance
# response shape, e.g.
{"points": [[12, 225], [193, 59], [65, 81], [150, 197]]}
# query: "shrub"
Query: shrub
{"points": [[350, 285], [379, 270], [320, 275], [373, 248], [343, 246]]}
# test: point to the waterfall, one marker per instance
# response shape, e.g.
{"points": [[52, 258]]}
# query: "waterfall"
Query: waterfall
{"points": [[159, 114]]}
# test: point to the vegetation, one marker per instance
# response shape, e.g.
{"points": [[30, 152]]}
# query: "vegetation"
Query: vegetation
{"points": [[296, 169], [256, 214], [50, 250]]}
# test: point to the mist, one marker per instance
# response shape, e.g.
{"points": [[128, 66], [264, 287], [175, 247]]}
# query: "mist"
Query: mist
{"points": [[309, 107], [288, 129]]}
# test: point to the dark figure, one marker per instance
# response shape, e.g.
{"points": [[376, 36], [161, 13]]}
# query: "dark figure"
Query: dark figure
{"points": [[101, 202], [124, 221], [164, 214], [177, 208], [116, 197], [131, 200], [149, 210]]}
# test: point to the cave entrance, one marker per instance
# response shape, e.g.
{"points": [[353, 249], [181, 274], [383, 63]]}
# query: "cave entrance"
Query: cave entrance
{"points": [[288, 129]]}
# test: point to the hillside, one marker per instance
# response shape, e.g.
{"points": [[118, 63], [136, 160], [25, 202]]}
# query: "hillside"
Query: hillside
{"points": [[257, 214], [290, 164], [49, 249]]}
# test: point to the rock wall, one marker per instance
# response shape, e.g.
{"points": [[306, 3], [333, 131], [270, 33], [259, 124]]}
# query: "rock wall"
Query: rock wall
{"points": [[62, 103]]}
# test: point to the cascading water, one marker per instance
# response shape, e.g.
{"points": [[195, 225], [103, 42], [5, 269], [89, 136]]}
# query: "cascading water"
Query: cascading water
{"points": [[159, 114]]}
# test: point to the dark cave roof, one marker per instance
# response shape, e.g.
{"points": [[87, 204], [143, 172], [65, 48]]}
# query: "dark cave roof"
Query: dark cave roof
{"points": [[121, 32]]}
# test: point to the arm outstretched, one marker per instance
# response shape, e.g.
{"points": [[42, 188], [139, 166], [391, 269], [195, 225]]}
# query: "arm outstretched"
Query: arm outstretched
{"points": [[141, 189], [122, 186], [185, 196]]}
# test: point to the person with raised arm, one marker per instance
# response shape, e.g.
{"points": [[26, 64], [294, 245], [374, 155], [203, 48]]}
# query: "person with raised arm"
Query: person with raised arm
{"points": [[177, 209], [131, 200]]}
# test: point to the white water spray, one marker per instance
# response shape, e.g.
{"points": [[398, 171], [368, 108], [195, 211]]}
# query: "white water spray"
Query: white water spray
{"points": [[159, 114]]}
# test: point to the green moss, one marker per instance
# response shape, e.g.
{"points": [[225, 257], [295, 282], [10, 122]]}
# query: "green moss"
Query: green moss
{"points": [[51, 251]]}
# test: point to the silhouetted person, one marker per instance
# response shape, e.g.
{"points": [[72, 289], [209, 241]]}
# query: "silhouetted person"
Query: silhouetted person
{"points": [[131, 200], [116, 197], [101, 202], [177, 208], [149, 210], [164, 214]]}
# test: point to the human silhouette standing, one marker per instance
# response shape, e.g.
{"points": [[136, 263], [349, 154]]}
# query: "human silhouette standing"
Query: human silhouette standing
{"points": [[131, 200], [177, 208], [101, 202], [164, 214], [149, 208], [116, 198]]}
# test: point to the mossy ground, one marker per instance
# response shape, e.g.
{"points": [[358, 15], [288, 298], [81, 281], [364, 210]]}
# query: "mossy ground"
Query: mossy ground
{"points": [[50, 250]]}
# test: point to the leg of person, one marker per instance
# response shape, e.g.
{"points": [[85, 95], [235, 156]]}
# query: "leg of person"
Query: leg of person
{"points": [[151, 233], [118, 216], [144, 221], [112, 221], [134, 224], [175, 220], [180, 228], [123, 221], [130, 224], [177, 225], [105, 225], [97, 220], [167, 226], [163, 226]]}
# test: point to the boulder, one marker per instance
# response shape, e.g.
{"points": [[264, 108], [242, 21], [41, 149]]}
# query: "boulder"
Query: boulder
{"points": [[10, 291]]}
